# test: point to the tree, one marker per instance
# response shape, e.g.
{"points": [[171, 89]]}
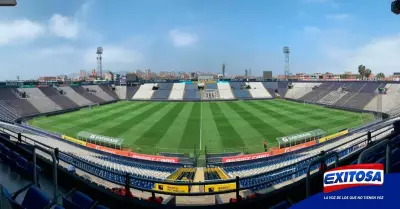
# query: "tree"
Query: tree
{"points": [[361, 71], [380, 76], [344, 76], [367, 73]]}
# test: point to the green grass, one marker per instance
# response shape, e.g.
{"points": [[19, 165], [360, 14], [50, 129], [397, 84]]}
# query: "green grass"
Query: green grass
{"points": [[218, 126]]}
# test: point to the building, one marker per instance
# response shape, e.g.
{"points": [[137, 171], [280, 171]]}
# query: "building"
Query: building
{"points": [[82, 75], [246, 73], [109, 76], [223, 69], [267, 74], [131, 77]]}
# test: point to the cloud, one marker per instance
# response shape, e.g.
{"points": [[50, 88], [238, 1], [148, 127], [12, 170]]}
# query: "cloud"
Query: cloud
{"points": [[63, 26], [19, 31], [182, 39], [337, 16]]}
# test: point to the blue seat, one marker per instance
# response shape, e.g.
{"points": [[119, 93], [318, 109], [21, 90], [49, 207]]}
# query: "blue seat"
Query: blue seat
{"points": [[101, 207], [34, 199], [77, 199]]}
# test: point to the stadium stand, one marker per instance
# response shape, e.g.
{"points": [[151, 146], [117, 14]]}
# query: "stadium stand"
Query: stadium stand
{"points": [[75, 96], [211, 86], [183, 174], [131, 91], [39, 100], [145, 92], [98, 92], [177, 92], [89, 96], [390, 100], [121, 92], [282, 88], [108, 89], [258, 91], [61, 100], [8, 113], [332, 97], [225, 91], [271, 87], [214, 173], [239, 91], [191, 92], [300, 89], [163, 92]]}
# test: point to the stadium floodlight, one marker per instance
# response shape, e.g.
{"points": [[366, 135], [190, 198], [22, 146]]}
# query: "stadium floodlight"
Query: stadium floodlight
{"points": [[99, 52], [8, 2]]}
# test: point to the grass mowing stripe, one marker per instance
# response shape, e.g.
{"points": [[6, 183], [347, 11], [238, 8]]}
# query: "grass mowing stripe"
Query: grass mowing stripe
{"points": [[301, 109], [153, 136], [230, 138], [263, 128], [107, 117], [191, 130], [72, 116], [298, 124], [123, 126]]}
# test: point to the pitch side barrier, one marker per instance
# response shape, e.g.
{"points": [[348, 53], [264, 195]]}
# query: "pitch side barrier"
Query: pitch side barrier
{"points": [[354, 148]]}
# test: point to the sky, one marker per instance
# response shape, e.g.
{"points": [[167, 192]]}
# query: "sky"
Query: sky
{"points": [[55, 37]]}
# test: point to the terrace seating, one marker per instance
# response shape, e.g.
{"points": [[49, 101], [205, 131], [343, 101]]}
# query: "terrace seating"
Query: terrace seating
{"points": [[121, 92], [177, 91], [239, 92], [225, 91], [165, 86], [61, 100], [300, 89], [332, 97], [145, 92], [25, 107], [100, 93], [211, 86], [75, 96], [89, 96], [161, 94], [282, 88], [107, 89], [131, 91], [39, 100], [258, 91], [191, 92]]}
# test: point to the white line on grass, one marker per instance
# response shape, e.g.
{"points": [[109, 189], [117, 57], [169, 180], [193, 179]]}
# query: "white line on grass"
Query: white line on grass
{"points": [[201, 120]]}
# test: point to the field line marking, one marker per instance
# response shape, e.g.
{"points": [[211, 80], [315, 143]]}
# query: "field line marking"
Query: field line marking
{"points": [[201, 120]]}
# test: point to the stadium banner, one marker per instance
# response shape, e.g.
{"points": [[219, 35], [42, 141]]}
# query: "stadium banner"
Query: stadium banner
{"points": [[298, 138], [326, 138], [220, 187], [293, 148], [246, 157], [172, 188], [99, 138], [73, 140], [153, 158], [108, 150]]}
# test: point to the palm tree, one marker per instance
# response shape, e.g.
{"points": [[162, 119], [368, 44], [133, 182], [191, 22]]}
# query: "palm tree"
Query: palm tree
{"points": [[380, 76], [367, 73], [361, 70]]}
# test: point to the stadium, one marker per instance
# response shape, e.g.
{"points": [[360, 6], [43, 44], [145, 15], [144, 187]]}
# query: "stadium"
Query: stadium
{"points": [[193, 142], [188, 140]]}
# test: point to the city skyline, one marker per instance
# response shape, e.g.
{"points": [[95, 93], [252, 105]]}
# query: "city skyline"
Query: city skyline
{"points": [[54, 37]]}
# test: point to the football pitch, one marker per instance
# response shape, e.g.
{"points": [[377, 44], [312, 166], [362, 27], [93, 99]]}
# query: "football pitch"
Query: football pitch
{"points": [[182, 127]]}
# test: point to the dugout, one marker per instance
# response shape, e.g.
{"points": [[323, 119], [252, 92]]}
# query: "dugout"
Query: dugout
{"points": [[106, 141], [288, 141]]}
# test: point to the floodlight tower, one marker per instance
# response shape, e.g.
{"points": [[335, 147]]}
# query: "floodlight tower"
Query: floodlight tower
{"points": [[223, 70], [286, 51], [99, 52]]}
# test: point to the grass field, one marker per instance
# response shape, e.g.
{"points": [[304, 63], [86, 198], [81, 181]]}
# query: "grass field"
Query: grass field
{"points": [[220, 126]]}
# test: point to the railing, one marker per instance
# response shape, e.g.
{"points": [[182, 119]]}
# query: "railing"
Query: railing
{"points": [[130, 179]]}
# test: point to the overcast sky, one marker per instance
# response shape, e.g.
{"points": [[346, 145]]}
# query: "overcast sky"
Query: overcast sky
{"points": [[52, 37]]}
